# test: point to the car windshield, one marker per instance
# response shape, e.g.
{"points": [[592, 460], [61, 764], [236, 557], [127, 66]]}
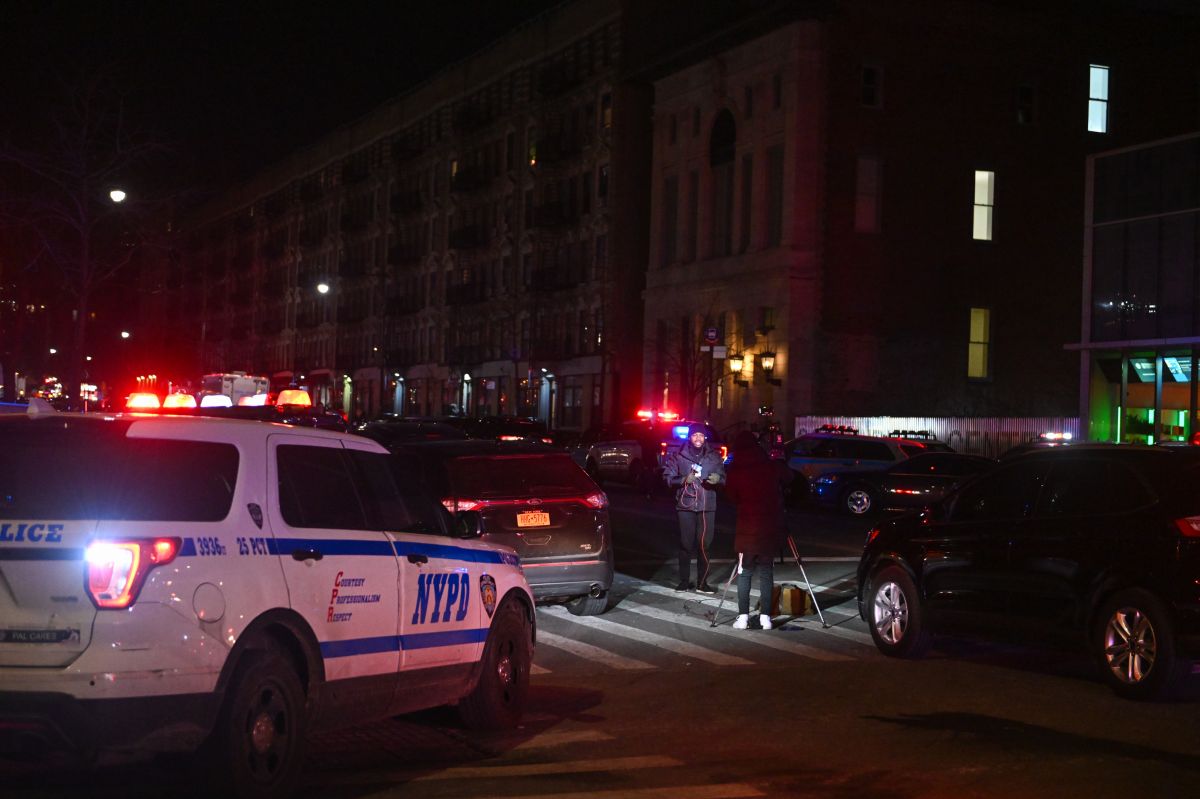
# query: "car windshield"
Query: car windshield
{"points": [[496, 476]]}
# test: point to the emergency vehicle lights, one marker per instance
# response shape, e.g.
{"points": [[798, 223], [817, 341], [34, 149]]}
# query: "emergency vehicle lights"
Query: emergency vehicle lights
{"points": [[253, 400], [645, 414], [117, 569], [680, 431], [1057, 436], [294, 396], [142, 400], [666, 416], [1189, 527], [215, 401], [179, 401]]}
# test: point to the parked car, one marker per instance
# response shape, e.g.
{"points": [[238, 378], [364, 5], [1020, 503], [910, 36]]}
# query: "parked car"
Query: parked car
{"points": [[533, 498], [174, 583], [910, 484], [842, 449], [1100, 543], [390, 432]]}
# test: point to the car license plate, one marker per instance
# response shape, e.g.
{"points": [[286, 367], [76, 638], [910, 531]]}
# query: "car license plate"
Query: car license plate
{"points": [[533, 518], [38, 636]]}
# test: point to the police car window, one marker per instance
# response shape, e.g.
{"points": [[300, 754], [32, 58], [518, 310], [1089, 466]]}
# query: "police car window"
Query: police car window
{"points": [[869, 450], [1007, 494], [825, 449], [316, 489], [912, 450], [394, 500], [86, 472]]}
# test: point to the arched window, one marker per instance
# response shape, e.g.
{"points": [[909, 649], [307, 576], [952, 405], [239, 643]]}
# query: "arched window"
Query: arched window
{"points": [[721, 147]]}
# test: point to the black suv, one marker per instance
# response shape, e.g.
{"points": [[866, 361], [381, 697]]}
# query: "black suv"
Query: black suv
{"points": [[1101, 542]]}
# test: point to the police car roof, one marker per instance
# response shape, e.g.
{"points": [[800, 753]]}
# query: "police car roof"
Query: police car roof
{"points": [[151, 424], [455, 448]]}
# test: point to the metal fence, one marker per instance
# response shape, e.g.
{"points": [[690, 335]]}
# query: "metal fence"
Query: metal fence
{"points": [[977, 435]]}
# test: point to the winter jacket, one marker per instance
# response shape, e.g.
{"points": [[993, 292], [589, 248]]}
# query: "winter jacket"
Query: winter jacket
{"points": [[755, 485], [700, 495]]}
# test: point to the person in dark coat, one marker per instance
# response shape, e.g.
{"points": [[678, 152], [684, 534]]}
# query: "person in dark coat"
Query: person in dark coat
{"points": [[755, 485], [695, 469]]}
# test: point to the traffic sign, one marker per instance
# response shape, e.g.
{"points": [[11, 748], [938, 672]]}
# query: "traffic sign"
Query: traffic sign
{"points": [[710, 335]]}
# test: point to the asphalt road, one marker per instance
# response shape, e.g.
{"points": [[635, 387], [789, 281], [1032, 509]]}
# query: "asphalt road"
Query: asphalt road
{"points": [[650, 701]]}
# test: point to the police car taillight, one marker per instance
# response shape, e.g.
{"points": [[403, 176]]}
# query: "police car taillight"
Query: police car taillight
{"points": [[457, 505], [115, 570], [1189, 526], [597, 500]]}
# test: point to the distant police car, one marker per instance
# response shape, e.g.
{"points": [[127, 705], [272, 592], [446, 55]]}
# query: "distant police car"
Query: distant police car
{"points": [[173, 583]]}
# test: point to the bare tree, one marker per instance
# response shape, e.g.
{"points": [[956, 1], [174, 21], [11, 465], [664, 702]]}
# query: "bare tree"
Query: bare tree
{"points": [[680, 355], [82, 236]]}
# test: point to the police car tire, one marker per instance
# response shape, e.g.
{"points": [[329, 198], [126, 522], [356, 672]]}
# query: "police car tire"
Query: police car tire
{"points": [[265, 700], [498, 698], [588, 605]]}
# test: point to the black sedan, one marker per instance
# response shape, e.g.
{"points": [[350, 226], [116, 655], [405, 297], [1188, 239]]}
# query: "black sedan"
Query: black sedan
{"points": [[910, 484], [1097, 542]]}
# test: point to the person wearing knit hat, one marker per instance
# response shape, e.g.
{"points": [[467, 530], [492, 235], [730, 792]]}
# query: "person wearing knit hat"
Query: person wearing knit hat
{"points": [[695, 470]]}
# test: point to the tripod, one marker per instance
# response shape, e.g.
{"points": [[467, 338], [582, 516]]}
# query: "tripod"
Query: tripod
{"points": [[766, 601]]}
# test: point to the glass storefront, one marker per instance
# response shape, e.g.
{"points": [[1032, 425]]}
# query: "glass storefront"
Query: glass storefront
{"points": [[1141, 396]]}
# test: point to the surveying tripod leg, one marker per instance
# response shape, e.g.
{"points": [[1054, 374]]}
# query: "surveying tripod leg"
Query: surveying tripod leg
{"points": [[736, 570], [804, 574]]}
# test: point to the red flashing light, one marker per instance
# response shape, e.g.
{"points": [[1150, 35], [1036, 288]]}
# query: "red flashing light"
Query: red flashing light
{"points": [[143, 400], [668, 416], [179, 400], [116, 570], [643, 414], [724, 452], [294, 396], [1189, 526]]}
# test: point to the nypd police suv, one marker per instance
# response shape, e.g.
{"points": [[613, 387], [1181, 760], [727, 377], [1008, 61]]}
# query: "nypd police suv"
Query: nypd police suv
{"points": [[177, 583]]}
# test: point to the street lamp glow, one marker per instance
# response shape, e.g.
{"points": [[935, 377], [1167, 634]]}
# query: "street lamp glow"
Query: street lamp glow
{"points": [[124, 334], [322, 288], [53, 351], [117, 196]]}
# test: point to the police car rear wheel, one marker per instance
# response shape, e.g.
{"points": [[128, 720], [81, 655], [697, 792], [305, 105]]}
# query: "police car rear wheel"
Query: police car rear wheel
{"points": [[498, 699], [259, 740]]}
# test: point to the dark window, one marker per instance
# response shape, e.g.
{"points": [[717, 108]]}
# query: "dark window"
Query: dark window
{"points": [[543, 476], [1075, 488], [749, 103], [671, 130], [602, 185], [316, 489], [670, 220], [693, 217], [747, 195], [392, 495], [696, 121], [868, 450], [721, 159], [777, 90], [1008, 494], [871, 91], [1025, 104], [73, 472], [775, 195]]}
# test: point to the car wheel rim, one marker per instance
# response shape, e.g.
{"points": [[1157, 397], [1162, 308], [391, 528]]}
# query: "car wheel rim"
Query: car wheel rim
{"points": [[858, 501], [1130, 647], [506, 672], [267, 734], [891, 612]]}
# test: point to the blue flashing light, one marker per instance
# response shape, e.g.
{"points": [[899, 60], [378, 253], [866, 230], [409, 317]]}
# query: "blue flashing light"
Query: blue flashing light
{"points": [[680, 431]]}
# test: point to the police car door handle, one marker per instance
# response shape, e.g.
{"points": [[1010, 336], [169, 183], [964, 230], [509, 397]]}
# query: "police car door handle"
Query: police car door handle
{"points": [[306, 554], [417, 557]]}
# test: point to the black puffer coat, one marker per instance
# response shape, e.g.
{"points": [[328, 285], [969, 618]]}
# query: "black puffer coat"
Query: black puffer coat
{"points": [[755, 485], [700, 495]]}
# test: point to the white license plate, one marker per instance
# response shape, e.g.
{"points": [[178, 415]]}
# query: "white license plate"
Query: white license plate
{"points": [[533, 518]]}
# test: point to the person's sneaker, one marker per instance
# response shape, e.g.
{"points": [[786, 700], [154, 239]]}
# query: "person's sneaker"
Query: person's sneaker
{"points": [[742, 621], [705, 588], [764, 621], [684, 585]]}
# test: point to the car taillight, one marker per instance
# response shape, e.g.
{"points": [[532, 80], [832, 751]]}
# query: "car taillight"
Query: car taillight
{"points": [[597, 500], [662, 448], [724, 452], [457, 505], [117, 569], [511, 438], [1189, 526], [547, 440]]}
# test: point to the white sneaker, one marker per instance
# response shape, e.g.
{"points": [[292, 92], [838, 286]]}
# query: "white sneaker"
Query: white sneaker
{"points": [[764, 621], [742, 622]]}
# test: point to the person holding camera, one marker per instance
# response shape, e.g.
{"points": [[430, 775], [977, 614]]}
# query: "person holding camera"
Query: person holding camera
{"points": [[695, 471]]}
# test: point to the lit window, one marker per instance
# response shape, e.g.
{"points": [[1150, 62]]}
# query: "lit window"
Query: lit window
{"points": [[985, 186], [1097, 99], [978, 343], [866, 196]]}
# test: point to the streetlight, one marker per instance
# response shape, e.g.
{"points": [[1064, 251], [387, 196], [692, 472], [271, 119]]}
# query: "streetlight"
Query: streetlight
{"points": [[53, 351], [768, 367], [322, 288], [124, 334], [736, 362], [117, 196]]}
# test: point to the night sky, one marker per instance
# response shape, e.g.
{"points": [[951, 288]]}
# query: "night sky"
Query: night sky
{"points": [[231, 87]]}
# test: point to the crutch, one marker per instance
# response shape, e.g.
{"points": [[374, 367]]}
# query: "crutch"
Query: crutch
{"points": [[804, 574], [736, 570]]}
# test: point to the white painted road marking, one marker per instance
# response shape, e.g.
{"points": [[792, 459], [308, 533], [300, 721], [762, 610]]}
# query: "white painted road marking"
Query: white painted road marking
{"points": [[653, 639], [589, 652]]}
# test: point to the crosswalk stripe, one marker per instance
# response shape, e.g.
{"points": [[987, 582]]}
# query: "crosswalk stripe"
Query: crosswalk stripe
{"points": [[837, 631], [589, 652], [731, 790], [768, 640], [549, 740], [543, 769], [653, 639]]}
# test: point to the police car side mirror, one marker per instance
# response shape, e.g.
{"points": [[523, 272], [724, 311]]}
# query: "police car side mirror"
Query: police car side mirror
{"points": [[468, 524]]}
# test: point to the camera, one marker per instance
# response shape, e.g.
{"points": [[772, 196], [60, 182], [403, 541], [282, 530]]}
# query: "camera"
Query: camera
{"points": [[697, 469]]}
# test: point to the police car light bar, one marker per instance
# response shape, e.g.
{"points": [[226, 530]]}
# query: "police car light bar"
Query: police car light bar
{"points": [[143, 400], [215, 401], [253, 400], [293, 396], [179, 400]]}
